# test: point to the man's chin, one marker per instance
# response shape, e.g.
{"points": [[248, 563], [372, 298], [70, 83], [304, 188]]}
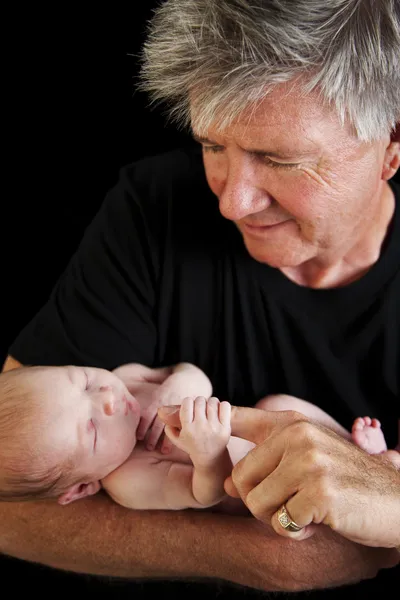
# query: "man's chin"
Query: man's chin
{"points": [[277, 260], [280, 253]]}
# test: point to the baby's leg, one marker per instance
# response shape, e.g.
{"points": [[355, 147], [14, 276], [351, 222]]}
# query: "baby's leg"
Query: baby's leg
{"points": [[286, 402], [368, 435], [239, 448]]}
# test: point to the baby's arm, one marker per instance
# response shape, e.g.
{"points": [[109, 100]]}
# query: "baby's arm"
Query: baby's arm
{"points": [[152, 484], [146, 483], [204, 435], [154, 388], [185, 379], [188, 380]]}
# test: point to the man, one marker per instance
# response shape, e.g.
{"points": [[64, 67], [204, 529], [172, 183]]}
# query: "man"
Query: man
{"points": [[273, 266]]}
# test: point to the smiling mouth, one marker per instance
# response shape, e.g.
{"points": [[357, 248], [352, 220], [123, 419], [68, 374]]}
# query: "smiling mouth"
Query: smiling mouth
{"points": [[263, 227]]}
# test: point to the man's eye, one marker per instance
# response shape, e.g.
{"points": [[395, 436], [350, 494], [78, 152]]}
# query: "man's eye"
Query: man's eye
{"points": [[276, 165], [213, 149]]}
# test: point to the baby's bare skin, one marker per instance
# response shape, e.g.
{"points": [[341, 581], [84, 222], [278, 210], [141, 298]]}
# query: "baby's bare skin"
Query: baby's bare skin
{"points": [[368, 435]]}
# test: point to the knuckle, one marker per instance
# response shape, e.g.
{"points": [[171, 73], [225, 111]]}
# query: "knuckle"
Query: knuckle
{"points": [[253, 504], [306, 433], [238, 476], [300, 426]]}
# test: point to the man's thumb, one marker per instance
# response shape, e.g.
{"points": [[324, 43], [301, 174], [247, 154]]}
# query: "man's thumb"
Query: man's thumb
{"points": [[170, 415]]}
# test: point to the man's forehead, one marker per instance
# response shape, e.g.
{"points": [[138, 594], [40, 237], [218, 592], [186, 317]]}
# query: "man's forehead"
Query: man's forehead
{"points": [[285, 114]]}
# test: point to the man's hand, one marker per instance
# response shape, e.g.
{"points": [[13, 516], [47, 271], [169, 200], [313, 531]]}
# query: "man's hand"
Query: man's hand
{"points": [[319, 476]]}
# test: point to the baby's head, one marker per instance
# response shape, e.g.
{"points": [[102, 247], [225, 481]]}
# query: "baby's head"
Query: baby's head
{"points": [[62, 430]]}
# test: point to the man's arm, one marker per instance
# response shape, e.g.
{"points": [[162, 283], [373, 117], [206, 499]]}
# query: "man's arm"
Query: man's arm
{"points": [[98, 536], [11, 363]]}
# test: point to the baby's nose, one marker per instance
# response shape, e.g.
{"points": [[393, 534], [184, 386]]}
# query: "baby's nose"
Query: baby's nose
{"points": [[108, 399]]}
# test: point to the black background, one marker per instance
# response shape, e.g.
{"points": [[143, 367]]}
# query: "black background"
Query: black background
{"points": [[72, 119]]}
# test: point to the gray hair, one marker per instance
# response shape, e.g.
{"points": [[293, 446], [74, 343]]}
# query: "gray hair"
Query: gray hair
{"points": [[209, 60]]}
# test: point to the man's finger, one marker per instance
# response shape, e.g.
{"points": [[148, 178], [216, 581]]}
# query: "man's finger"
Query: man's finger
{"points": [[230, 488], [252, 424], [172, 434], [256, 425], [170, 415], [271, 433]]}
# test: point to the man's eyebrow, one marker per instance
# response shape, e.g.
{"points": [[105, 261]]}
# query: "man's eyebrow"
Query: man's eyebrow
{"points": [[202, 140], [256, 151]]}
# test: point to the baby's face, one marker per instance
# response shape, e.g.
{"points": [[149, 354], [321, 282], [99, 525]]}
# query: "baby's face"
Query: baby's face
{"points": [[88, 413]]}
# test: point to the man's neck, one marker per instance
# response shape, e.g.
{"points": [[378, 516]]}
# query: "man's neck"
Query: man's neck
{"points": [[354, 263]]}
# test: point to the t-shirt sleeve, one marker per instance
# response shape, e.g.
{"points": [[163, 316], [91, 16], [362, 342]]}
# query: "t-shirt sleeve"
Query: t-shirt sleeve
{"points": [[101, 310]]}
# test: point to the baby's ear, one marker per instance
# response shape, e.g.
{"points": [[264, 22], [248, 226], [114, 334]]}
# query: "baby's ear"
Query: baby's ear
{"points": [[78, 491]]}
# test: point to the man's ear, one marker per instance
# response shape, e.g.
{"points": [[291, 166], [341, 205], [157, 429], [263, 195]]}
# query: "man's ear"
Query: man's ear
{"points": [[392, 155], [78, 491], [395, 135]]}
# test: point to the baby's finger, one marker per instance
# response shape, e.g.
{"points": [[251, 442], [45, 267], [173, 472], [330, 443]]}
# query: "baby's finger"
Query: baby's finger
{"points": [[144, 424], [154, 434], [186, 412], [225, 410], [200, 405], [166, 445], [212, 409]]}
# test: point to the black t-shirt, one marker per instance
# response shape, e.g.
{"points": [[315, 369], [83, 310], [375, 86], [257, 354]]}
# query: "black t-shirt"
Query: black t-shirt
{"points": [[161, 277]]}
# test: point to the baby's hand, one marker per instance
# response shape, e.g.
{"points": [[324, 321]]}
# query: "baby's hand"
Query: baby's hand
{"points": [[151, 425], [206, 429], [146, 384]]}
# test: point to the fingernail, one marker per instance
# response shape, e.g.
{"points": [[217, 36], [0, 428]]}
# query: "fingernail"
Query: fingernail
{"points": [[169, 410]]}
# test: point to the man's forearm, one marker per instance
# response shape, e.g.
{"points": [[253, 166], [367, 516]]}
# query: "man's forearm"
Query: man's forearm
{"points": [[98, 536]]}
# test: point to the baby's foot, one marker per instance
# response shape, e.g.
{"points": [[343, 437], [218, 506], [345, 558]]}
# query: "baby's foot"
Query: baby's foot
{"points": [[368, 435]]}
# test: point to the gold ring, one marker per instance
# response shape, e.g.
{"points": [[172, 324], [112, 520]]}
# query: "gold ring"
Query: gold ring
{"points": [[286, 520]]}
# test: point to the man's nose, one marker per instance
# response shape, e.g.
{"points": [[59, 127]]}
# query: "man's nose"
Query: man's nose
{"points": [[241, 195], [108, 400]]}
